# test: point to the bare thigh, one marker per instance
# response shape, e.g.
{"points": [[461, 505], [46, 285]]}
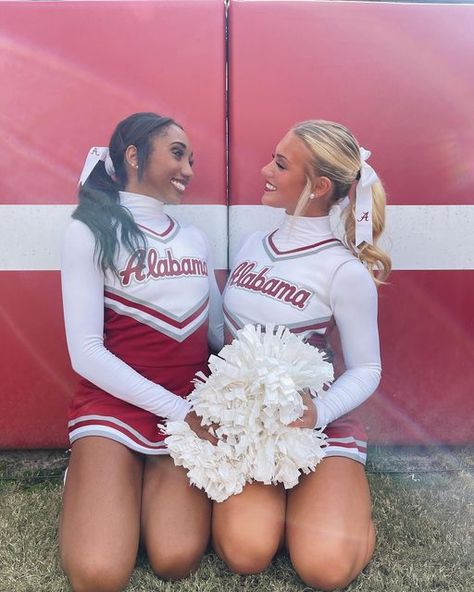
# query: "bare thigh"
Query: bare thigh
{"points": [[176, 519], [329, 530], [248, 528], [100, 520]]}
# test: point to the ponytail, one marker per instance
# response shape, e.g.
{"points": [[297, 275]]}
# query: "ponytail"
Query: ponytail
{"points": [[99, 200], [375, 259], [99, 208], [337, 155]]}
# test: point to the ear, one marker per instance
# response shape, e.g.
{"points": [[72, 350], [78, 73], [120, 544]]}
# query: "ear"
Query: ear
{"points": [[322, 186], [131, 156]]}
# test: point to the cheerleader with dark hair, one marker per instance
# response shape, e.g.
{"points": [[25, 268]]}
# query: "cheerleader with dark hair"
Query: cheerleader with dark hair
{"points": [[141, 305]]}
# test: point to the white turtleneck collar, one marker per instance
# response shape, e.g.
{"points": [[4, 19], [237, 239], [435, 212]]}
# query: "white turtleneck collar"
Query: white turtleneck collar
{"points": [[145, 209], [300, 231]]}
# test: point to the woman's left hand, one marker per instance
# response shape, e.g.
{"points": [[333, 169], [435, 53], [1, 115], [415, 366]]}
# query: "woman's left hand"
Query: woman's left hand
{"points": [[310, 415], [203, 431]]}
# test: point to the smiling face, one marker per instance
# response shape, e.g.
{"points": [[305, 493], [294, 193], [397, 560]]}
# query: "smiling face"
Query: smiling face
{"points": [[286, 174], [168, 168]]}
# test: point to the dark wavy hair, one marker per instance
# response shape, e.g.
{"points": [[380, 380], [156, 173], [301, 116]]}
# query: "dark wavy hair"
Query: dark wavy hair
{"points": [[99, 204]]}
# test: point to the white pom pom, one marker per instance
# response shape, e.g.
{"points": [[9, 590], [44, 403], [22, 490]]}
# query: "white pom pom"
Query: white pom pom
{"points": [[252, 393]]}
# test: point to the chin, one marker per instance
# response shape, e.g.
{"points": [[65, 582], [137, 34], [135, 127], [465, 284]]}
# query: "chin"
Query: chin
{"points": [[272, 201], [174, 199], [267, 200]]}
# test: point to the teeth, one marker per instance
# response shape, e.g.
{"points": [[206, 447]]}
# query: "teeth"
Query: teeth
{"points": [[179, 186], [270, 187]]}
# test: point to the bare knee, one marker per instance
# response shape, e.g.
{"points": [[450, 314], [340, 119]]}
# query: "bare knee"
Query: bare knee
{"points": [[97, 576], [329, 567], [175, 564], [324, 577], [246, 557]]}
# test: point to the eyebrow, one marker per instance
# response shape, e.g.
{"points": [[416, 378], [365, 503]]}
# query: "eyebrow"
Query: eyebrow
{"points": [[183, 145], [281, 156], [179, 144]]}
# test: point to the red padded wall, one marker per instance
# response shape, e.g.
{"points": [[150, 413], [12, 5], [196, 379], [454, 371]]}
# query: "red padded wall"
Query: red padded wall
{"points": [[400, 77], [70, 72]]}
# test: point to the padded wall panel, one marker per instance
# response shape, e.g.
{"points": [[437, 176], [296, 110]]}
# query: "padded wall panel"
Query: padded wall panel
{"points": [[71, 71], [400, 77]]}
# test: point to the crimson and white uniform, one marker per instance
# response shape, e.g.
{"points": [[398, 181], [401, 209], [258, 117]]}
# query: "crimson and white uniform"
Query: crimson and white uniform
{"points": [[138, 339], [301, 276]]}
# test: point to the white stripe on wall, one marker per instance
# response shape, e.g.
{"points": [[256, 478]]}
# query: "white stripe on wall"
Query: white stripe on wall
{"points": [[31, 235], [417, 237]]}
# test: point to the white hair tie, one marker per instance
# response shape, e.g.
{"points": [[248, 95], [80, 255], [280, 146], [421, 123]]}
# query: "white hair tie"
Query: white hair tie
{"points": [[95, 154], [363, 203]]}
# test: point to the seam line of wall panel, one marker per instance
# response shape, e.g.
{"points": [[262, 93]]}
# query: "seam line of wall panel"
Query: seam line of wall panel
{"points": [[227, 124]]}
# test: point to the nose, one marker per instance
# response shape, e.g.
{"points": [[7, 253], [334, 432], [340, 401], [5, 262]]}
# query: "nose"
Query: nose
{"points": [[266, 171], [187, 170]]}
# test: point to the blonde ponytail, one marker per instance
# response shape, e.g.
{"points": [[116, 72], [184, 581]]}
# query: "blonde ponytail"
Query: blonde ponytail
{"points": [[337, 155], [375, 259]]}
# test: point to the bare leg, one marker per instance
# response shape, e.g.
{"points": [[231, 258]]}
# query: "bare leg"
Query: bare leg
{"points": [[100, 520], [176, 519], [248, 528], [329, 531]]}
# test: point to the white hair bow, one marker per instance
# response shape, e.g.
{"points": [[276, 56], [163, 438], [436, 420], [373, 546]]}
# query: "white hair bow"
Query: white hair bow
{"points": [[95, 154], [363, 203]]}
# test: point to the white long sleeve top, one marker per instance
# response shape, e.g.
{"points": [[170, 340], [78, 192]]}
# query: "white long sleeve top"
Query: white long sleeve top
{"points": [[150, 315], [301, 276]]}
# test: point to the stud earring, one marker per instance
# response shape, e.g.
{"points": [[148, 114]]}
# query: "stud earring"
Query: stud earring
{"points": [[311, 196]]}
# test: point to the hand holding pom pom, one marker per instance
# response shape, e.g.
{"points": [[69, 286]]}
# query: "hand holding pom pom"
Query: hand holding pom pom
{"points": [[253, 395], [203, 432], [310, 415]]}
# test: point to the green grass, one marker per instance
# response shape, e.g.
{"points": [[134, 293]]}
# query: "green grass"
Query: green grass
{"points": [[423, 509]]}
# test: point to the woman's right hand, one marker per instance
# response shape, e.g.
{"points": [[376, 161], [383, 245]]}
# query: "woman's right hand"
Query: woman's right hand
{"points": [[204, 432]]}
